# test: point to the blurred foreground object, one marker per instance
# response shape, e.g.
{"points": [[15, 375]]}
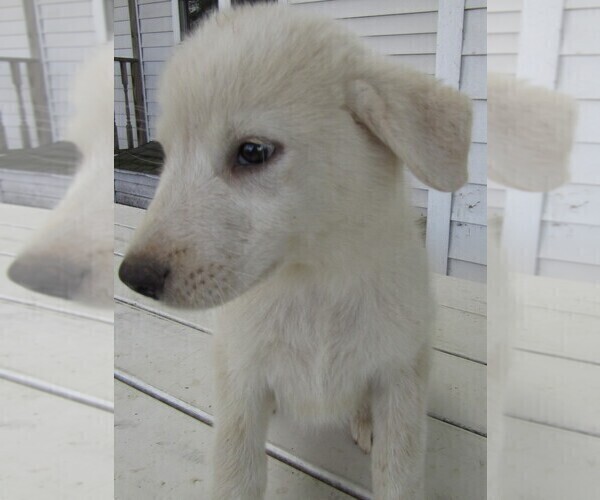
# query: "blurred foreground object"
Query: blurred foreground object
{"points": [[530, 134], [71, 256]]}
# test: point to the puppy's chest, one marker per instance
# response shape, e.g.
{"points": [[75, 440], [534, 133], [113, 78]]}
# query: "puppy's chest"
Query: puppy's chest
{"points": [[316, 363]]}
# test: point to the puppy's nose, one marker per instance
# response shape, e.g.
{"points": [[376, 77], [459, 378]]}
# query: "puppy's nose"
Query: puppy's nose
{"points": [[144, 276], [48, 275]]}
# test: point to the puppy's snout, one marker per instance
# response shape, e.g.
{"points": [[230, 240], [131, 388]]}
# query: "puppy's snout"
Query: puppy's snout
{"points": [[144, 276], [48, 275]]}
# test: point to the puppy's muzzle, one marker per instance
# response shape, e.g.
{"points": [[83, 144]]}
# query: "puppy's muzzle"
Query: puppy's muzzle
{"points": [[144, 276]]}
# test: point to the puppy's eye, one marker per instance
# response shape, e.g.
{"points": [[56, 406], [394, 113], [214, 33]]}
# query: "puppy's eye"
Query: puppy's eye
{"points": [[254, 153]]}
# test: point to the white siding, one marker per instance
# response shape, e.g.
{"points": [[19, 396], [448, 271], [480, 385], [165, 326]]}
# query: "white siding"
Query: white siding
{"points": [[13, 43], [569, 239], [156, 41], [67, 33], [123, 48]]}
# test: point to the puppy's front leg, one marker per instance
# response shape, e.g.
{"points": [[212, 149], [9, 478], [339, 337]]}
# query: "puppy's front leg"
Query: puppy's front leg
{"points": [[399, 428], [239, 458]]}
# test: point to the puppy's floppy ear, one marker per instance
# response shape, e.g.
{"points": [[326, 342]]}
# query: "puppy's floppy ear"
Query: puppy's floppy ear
{"points": [[425, 124]]}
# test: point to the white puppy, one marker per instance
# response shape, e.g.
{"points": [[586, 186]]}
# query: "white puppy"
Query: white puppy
{"points": [[72, 255], [282, 197]]}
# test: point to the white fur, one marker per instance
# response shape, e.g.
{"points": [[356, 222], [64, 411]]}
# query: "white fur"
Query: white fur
{"points": [[316, 257], [72, 255]]}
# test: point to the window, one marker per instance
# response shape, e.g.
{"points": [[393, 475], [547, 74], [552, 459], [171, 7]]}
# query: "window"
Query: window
{"points": [[191, 12]]}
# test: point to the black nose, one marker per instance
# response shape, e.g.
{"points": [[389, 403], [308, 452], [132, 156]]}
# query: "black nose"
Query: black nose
{"points": [[144, 276], [47, 274]]}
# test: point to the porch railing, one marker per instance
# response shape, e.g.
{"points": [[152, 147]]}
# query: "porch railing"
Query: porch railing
{"points": [[22, 70], [131, 67]]}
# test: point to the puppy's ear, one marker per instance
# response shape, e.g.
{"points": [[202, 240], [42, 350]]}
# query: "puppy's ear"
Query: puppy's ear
{"points": [[425, 124]]}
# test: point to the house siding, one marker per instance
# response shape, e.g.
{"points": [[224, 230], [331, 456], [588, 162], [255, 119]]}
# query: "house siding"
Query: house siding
{"points": [[13, 43]]}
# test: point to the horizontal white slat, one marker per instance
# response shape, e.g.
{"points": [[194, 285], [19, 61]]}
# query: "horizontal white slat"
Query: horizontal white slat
{"points": [[496, 197], [10, 42], [13, 28], [402, 44], [358, 8], [157, 39], [401, 24], [558, 464], [468, 242], [141, 422], [156, 54], [479, 131], [156, 25], [478, 163], [419, 197], [503, 43], [580, 32], [558, 294], [72, 442], [72, 25], [559, 333], [84, 39], [159, 9], [420, 62], [467, 270], [503, 22], [473, 76], [570, 243], [66, 54], [569, 271], [575, 203], [122, 28], [555, 391], [153, 69], [585, 164], [502, 63], [12, 13], [458, 391], [121, 14], [505, 5], [475, 34], [588, 122], [578, 76], [49, 346], [65, 10], [469, 204]]}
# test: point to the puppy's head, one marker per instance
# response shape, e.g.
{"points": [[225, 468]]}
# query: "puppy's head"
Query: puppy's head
{"points": [[283, 137]]}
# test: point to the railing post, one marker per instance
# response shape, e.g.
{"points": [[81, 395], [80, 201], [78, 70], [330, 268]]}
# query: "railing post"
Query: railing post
{"points": [[138, 102], [3, 142], [41, 111], [125, 83], [15, 73], [116, 139]]}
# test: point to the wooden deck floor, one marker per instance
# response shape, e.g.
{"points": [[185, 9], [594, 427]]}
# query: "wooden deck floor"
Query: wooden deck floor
{"points": [[56, 357]]}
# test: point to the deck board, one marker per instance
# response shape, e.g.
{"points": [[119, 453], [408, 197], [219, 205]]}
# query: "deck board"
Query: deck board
{"points": [[163, 453], [59, 447]]}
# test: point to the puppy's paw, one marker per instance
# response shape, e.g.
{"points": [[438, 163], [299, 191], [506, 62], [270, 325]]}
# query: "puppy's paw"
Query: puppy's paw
{"points": [[361, 428]]}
